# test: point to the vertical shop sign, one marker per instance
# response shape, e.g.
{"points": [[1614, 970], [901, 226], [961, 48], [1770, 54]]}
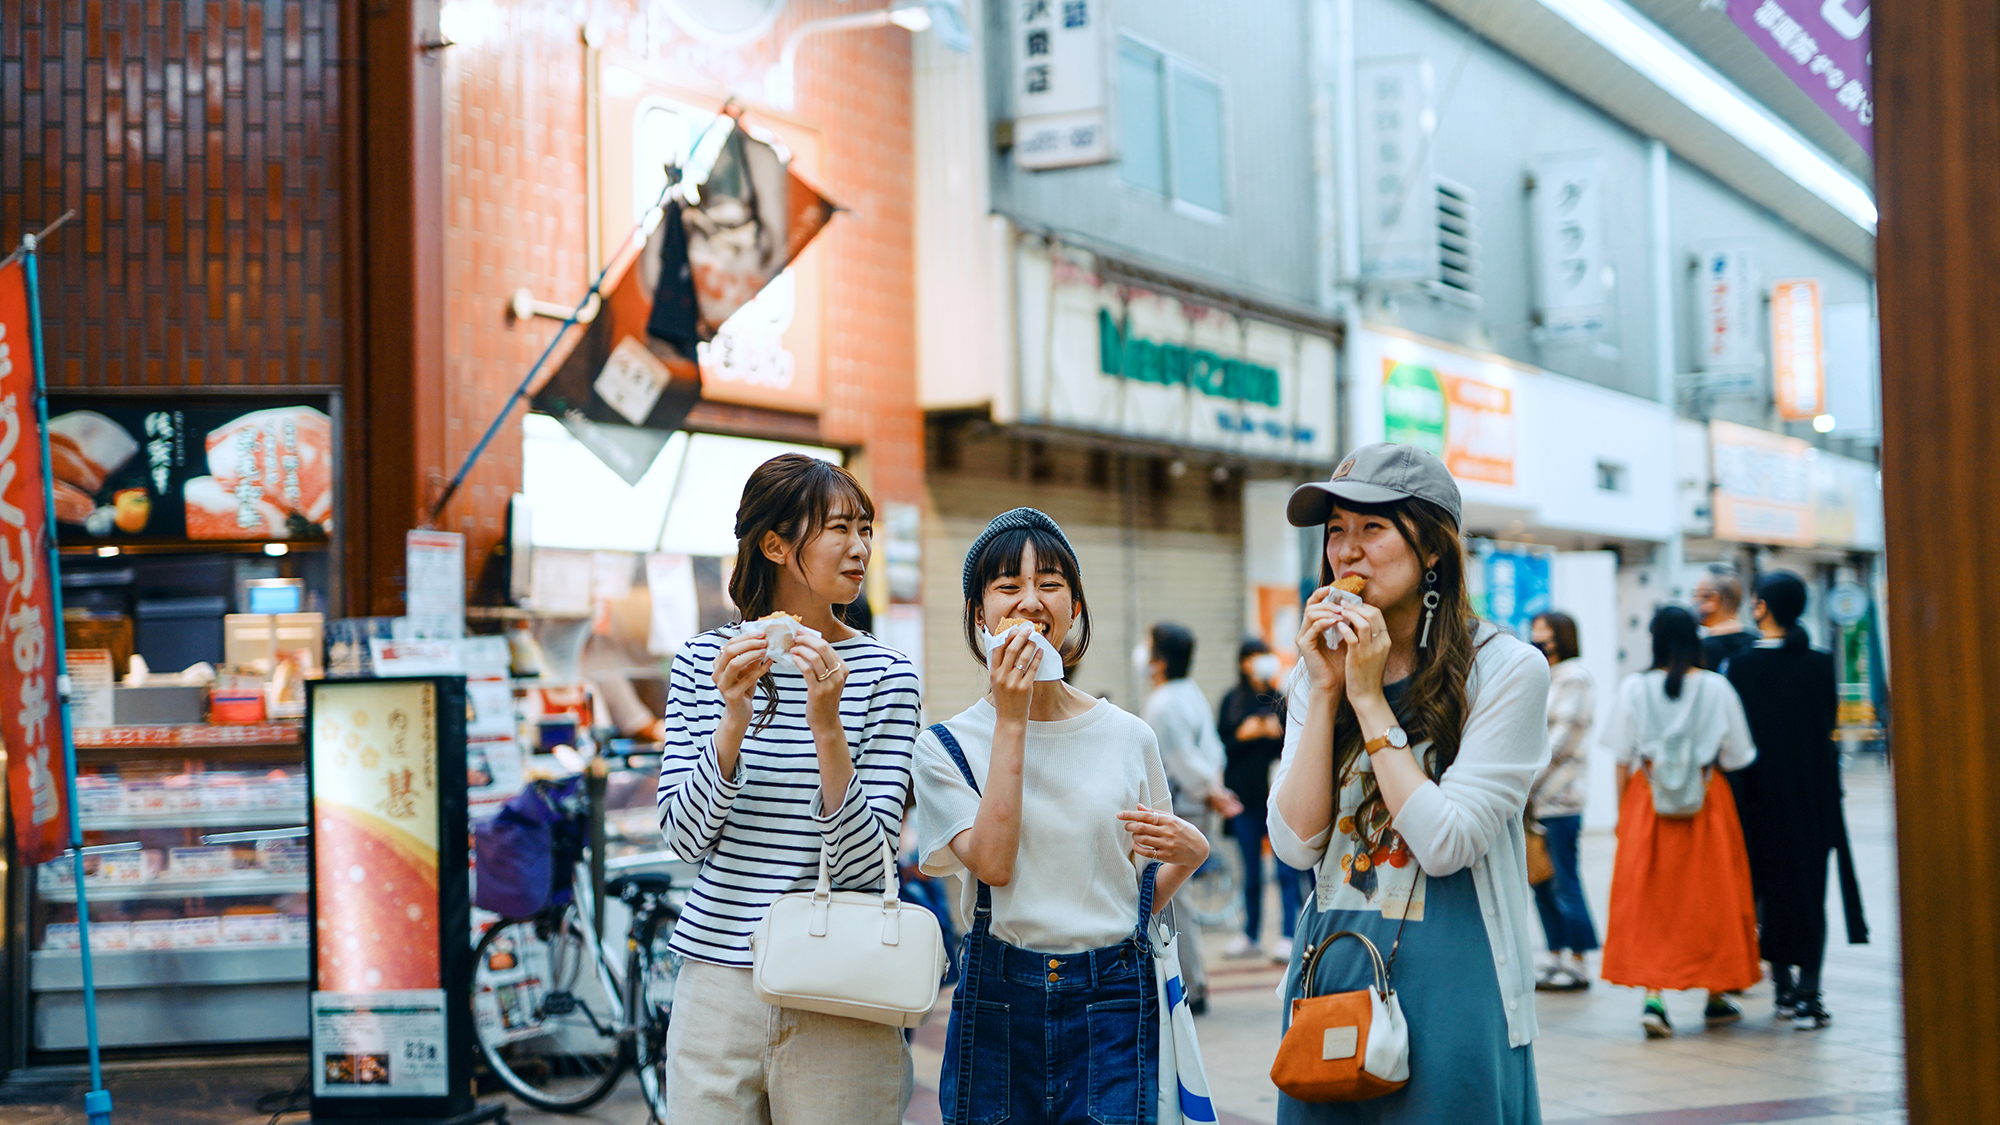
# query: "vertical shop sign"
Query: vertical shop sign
{"points": [[1398, 210], [1479, 430], [1823, 47], [386, 765], [434, 583], [30, 711], [1731, 350], [1570, 262], [1059, 87], [1797, 357]]}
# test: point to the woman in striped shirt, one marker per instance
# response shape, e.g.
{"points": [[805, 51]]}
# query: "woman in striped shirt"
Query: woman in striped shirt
{"points": [[766, 763]]}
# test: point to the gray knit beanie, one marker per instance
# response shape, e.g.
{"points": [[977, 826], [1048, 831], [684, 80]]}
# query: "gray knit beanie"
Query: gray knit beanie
{"points": [[1009, 521]]}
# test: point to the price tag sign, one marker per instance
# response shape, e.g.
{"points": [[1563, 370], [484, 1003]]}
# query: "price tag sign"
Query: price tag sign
{"points": [[379, 1044]]}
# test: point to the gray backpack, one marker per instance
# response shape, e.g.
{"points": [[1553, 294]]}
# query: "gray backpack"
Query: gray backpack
{"points": [[1679, 780]]}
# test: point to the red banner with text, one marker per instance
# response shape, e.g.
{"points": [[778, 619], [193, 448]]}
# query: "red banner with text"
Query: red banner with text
{"points": [[30, 719]]}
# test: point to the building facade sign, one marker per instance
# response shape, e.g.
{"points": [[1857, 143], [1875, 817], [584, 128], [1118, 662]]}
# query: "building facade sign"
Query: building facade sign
{"points": [[1763, 486], [1573, 290], [1059, 88], [1398, 209], [1798, 359], [1465, 417], [1731, 352], [1162, 367], [1822, 46]]}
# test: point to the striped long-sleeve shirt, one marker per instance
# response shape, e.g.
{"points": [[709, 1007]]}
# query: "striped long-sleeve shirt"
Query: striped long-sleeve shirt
{"points": [[757, 835]]}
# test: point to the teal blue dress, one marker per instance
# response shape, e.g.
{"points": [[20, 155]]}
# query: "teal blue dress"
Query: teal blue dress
{"points": [[1462, 1070]]}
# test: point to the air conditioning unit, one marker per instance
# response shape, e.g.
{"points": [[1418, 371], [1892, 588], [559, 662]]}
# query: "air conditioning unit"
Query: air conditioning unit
{"points": [[1457, 238]]}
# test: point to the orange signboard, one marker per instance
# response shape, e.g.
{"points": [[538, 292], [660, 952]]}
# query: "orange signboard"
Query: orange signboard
{"points": [[1479, 430], [1797, 350]]}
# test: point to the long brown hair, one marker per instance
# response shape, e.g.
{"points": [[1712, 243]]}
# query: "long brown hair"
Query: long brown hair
{"points": [[793, 495], [1436, 704]]}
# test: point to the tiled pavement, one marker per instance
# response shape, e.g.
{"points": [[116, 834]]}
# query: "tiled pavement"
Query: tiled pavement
{"points": [[1595, 1066]]}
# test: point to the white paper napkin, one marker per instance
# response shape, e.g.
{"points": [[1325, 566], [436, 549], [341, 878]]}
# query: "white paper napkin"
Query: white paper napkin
{"points": [[1051, 667], [779, 637]]}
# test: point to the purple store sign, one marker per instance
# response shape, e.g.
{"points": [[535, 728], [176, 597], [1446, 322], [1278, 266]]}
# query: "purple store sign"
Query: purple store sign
{"points": [[1823, 46]]}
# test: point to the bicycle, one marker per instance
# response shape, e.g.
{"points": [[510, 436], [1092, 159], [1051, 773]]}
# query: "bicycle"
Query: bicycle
{"points": [[557, 1020], [1212, 895]]}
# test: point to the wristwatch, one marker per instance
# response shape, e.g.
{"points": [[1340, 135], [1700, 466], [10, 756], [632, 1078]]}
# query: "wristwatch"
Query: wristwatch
{"points": [[1394, 736]]}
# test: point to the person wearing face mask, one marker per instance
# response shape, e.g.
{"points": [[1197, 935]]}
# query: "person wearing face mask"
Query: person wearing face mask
{"points": [[1056, 806], [1414, 733], [773, 759], [1251, 721]]}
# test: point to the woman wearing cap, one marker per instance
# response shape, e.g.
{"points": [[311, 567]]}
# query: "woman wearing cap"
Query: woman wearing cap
{"points": [[1056, 805], [1414, 734]]}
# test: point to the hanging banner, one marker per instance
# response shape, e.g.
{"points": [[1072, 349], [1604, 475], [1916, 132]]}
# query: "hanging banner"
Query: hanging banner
{"points": [[1572, 289], [1398, 208], [30, 715], [1822, 46], [1059, 85], [1798, 364], [1731, 352]]}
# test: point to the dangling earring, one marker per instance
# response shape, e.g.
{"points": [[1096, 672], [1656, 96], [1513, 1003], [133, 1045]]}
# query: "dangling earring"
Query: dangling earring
{"points": [[1430, 607]]}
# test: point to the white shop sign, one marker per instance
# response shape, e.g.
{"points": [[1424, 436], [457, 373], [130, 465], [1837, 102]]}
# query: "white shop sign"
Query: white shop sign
{"points": [[1112, 359], [1059, 87]]}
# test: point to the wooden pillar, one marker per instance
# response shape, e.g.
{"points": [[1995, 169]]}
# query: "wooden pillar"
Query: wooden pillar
{"points": [[395, 409], [1937, 130]]}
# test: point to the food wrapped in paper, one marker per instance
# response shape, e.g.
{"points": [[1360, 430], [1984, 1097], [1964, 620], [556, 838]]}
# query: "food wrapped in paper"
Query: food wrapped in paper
{"points": [[1051, 667], [780, 631]]}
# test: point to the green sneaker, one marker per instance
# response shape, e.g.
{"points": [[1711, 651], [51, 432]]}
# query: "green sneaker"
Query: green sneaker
{"points": [[1721, 1010], [1654, 1020]]}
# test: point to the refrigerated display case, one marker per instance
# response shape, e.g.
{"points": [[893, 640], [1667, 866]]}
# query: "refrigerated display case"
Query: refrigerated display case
{"points": [[195, 867]]}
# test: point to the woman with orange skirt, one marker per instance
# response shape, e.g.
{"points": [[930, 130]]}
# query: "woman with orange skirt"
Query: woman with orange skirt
{"points": [[1682, 914]]}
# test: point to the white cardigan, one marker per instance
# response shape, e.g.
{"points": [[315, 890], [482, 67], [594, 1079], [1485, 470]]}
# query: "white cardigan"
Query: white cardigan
{"points": [[1471, 817]]}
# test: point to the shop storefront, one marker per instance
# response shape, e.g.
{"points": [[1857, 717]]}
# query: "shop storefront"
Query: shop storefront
{"points": [[200, 564], [1143, 414]]}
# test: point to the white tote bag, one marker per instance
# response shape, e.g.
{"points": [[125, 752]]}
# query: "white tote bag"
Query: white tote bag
{"points": [[1183, 1080], [858, 954]]}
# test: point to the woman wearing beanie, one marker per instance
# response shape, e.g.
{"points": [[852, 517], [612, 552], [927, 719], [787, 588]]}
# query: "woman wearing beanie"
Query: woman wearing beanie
{"points": [[1790, 798], [1055, 805], [768, 761], [1414, 734]]}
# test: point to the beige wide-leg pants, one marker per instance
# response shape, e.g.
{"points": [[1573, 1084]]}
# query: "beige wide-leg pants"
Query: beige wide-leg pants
{"points": [[735, 1060]]}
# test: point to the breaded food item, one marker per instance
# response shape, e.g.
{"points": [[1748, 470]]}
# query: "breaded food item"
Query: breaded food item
{"points": [[1352, 584], [779, 615], [1007, 623]]}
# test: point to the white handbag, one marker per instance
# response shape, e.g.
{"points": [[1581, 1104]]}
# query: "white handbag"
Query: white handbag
{"points": [[1183, 1079], [858, 954]]}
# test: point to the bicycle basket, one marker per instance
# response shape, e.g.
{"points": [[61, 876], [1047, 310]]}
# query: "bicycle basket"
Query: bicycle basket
{"points": [[526, 853]]}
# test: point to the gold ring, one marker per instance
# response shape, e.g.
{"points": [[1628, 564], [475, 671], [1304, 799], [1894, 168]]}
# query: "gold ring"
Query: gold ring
{"points": [[828, 674]]}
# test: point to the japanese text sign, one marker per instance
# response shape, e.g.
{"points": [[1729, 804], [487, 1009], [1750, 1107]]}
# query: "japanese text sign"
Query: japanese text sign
{"points": [[1059, 85], [1797, 357], [1822, 46], [30, 716], [1570, 259]]}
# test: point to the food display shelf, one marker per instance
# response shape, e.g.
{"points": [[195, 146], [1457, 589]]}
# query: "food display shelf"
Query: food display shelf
{"points": [[232, 818], [183, 888], [238, 963]]}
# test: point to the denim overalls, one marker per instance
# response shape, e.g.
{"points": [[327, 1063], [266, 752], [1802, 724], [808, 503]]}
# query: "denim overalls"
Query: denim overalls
{"points": [[1051, 1037]]}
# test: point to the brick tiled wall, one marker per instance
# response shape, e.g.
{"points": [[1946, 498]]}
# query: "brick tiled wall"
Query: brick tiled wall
{"points": [[516, 217], [198, 143]]}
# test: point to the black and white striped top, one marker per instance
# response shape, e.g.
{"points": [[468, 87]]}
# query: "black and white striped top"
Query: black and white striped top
{"points": [[757, 835]]}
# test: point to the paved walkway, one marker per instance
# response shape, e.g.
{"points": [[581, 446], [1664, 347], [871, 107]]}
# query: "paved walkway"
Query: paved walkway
{"points": [[1595, 1065]]}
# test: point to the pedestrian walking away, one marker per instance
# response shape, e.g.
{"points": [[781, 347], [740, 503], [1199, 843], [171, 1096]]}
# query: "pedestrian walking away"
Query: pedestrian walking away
{"points": [[1414, 733], [1790, 799], [1251, 721], [1718, 601], [785, 738], [1055, 806], [1194, 760], [1681, 911], [1555, 805]]}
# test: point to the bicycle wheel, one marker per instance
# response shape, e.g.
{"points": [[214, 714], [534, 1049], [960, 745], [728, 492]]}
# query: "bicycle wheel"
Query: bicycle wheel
{"points": [[1213, 894], [545, 1021], [651, 976]]}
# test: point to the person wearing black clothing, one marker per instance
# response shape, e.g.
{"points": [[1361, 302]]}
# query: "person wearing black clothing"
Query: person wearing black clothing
{"points": [[1718, 601], [1790, 798], [1251, 722]]}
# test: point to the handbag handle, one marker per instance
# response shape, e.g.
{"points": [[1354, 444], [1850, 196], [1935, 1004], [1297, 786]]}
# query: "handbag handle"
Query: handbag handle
{"points": [[1308, 971], [891, 900]]}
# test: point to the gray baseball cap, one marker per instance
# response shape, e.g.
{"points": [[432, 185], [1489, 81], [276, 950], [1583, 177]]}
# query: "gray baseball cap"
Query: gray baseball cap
{"points": [[1382, 473]]}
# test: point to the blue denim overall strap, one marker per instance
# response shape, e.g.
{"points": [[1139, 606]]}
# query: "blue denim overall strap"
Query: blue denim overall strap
{"points": [[985, 961]]}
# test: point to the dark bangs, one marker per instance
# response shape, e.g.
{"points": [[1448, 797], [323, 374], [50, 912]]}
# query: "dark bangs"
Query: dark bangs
{"points": [[1002, 559]]}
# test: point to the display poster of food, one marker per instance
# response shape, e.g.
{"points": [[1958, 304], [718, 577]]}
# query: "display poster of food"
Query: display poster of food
{"points": [[375, 797], [379, 1044], [138, 470]]}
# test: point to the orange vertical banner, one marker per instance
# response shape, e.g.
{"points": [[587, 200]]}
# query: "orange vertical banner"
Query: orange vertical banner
{"points": [[1797, 350]]}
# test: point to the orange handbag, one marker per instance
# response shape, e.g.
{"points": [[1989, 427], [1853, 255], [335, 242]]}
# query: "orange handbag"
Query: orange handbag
{"points": [[1347, 1046]]}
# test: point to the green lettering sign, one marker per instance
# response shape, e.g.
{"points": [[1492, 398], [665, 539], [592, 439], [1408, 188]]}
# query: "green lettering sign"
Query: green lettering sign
{"points": [[1413, 407], [1172, 365]]}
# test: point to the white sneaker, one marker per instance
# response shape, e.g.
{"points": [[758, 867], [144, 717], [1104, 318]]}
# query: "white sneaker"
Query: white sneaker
{"points": [[1239, 946], [1281, 951]]}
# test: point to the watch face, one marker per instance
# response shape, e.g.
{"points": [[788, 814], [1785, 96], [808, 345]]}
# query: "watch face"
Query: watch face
{"points": [[1397, 737]]}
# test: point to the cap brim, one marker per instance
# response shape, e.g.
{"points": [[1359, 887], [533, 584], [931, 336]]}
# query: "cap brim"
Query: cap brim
{"points": [[1312, 504]]}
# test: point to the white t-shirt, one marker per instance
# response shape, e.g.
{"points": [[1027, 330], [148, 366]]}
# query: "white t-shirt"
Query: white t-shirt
{"points": [[1190, 748], [1076, 878], [1719, 731]]}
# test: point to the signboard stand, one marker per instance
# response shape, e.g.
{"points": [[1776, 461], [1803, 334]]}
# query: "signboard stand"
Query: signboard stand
{"points": [[390, 1005]]}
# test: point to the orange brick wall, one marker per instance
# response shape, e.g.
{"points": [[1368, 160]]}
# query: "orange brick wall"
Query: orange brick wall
{"points": [[515, 216]]}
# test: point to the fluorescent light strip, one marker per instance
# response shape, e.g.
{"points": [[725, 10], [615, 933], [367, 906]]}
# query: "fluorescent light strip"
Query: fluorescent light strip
{"points": [[1644, 48]]}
